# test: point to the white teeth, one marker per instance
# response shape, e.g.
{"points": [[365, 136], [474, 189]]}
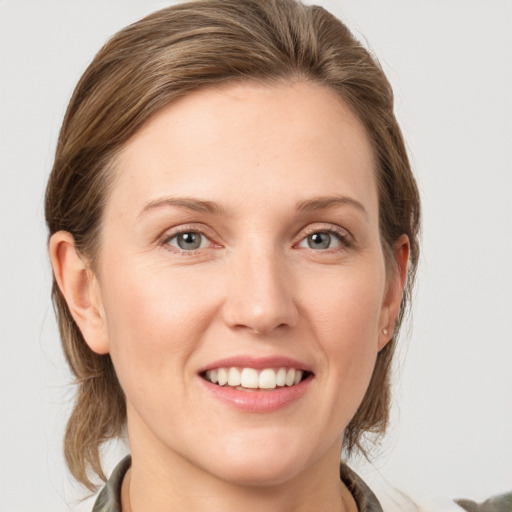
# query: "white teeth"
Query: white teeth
{"points": [[290, 377], [249, 378], [233, 377], [222, 376], [281, 377], [268, 378]]}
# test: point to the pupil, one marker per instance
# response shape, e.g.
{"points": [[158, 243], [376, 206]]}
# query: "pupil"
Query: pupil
{"points": [[189, 241], [319, 240]]}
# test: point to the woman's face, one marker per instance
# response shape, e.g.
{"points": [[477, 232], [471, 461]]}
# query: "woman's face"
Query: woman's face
{"points": [[241, 241]]}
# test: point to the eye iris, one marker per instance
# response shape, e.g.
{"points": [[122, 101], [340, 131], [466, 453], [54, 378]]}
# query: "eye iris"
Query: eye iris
{"points": [[319, 240], [189, 240]]}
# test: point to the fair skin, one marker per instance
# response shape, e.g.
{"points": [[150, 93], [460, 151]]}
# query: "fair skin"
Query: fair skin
{"points": [[243, 223]]}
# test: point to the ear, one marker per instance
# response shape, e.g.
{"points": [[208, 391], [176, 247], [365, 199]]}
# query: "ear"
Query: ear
{"points": [[80, 289], [394, 289]]}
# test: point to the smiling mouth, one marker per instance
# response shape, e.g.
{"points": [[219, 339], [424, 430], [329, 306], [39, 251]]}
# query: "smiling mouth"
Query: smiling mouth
{"points": [[252, 379]]}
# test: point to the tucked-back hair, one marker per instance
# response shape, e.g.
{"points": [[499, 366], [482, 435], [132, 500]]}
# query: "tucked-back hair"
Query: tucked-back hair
{"points": [[164, 56]]}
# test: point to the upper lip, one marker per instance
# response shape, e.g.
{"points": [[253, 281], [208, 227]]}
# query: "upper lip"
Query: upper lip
{"points": [[257, 363]]}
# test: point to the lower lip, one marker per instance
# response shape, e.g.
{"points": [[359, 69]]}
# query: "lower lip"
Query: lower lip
{"points": [[260, 400]]}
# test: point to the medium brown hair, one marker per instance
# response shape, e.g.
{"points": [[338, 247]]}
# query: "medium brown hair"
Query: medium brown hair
{"points": [[166, 55]]}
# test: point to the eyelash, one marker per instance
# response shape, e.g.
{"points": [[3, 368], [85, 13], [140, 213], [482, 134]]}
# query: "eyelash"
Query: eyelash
{"points": [[342, 236]]}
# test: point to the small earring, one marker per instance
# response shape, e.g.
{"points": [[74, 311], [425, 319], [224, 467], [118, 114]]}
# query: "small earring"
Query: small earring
{"points": [[385, 331]]}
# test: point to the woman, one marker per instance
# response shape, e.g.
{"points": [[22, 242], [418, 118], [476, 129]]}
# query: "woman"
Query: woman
{"points": [[233, 232]]}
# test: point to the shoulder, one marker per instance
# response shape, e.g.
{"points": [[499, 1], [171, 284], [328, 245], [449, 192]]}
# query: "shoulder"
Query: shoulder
{"points": [[109, 499], [363, 495]]}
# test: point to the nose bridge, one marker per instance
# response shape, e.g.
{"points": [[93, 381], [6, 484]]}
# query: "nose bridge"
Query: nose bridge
{"points": [[261, 296]]}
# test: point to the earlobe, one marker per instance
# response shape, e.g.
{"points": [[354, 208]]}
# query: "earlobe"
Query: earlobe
{"points": [[79, 286], [394, 291]]}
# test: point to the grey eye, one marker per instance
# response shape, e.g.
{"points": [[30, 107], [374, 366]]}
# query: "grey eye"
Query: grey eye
{"points": [[319, 240], [187, 241]]}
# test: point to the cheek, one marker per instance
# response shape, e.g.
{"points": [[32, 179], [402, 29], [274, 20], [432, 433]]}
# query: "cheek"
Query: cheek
{"points": [[153, 324], [346, 309], [345, 317]]}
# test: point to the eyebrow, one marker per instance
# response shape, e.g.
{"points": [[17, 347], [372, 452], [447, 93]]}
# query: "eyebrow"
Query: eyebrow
{"points": [[324, 203], [202, 206], [189, 203]]}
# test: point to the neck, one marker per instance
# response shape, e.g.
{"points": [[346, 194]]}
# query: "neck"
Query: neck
{"points": [[156, 487]]}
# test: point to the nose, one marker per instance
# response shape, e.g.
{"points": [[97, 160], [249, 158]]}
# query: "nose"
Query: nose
{"points": [[260, 296]]}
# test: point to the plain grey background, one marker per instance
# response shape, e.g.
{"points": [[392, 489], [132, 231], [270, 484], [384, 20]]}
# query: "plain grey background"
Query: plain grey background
{"points": [[451, 67]]}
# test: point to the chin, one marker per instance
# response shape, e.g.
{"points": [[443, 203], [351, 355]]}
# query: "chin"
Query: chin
{"points": [[262, 465], [259, 474]]}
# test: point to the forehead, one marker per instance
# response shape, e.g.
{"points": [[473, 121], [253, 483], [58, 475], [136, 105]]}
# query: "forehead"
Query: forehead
{"points": [[251, 138]]}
